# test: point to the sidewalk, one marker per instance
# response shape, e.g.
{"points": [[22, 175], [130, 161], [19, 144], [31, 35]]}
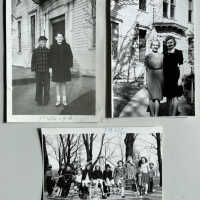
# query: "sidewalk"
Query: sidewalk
{"points": [[81, 90], [129, 195], [138, 106], [23, 75]]}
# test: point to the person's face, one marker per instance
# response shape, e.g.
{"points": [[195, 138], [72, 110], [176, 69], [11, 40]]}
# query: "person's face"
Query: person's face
{"points": [[59, 38], [68, 168], [62, 167], [151, 166], [143, 160], [170, 44], [108, 168], [97, 167], [155, 46], [42, 43], [88, 167], [120, 164]]}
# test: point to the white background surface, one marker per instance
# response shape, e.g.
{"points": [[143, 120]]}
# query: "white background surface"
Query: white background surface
{"points": [[21, 163]]}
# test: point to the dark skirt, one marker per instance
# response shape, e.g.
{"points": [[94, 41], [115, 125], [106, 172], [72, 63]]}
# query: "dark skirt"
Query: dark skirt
{"points": [[171, 88], [143, 178], [61, 74]]}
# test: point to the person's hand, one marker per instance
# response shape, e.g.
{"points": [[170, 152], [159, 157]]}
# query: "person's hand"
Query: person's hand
{"points": [[179, 81], [145, 85]]}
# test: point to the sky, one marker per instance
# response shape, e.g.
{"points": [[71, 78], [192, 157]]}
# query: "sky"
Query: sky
{"points": [[114, 138]]}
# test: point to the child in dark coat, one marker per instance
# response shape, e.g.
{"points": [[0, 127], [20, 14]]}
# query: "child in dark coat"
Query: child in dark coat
{"points": [[61, 60], [98, 178], [40, 65], [108, 180]]}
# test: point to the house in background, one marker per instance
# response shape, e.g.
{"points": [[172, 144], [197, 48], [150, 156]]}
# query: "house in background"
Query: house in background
{"points": [[150, 19], [74, 18]]}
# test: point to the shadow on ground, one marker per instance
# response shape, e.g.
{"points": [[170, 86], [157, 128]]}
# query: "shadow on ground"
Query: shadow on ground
{"points": [[84, 105]]}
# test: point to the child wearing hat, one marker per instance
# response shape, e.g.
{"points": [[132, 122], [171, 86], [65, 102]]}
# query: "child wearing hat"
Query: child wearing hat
{"points": [[40, 65]]}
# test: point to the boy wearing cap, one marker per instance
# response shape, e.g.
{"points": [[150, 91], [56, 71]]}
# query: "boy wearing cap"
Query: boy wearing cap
{"points": [[40, 65]]}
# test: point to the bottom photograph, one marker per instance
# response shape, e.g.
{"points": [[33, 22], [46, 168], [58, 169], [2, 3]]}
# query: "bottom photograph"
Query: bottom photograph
{"points": [[102, 163]]}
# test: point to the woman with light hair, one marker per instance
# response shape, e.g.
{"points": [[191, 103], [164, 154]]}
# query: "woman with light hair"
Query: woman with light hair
{"points": [[154, 77]]}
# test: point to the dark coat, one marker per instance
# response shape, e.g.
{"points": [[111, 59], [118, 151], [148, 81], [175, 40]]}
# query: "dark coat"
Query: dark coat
{"points": [[171, 72], [61, 60], [40, 60], [107, 174], [85, 172], [97, 174]]}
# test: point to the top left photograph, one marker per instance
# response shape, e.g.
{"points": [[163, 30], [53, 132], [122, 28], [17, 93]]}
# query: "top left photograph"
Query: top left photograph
{"points": [[51, 60]]}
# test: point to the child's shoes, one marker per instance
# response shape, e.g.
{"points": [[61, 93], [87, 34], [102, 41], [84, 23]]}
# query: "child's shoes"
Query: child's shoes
{"points": [[64, 101], [58, 101]]}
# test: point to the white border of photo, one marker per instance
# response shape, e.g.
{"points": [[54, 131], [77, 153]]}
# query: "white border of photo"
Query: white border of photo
{"points": [[100, 74]]}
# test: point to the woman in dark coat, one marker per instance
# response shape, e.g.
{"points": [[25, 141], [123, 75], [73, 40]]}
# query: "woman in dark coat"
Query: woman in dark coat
{"points": [[61, 61], [173, 59]]}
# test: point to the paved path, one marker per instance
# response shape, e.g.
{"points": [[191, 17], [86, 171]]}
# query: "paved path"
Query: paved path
{"points": [[24, 97], [129, 195], [138, 105]]}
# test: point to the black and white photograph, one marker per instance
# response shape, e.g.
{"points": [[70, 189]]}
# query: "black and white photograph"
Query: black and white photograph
{"points": [[51, 60], [102, 163], [152, 58]]}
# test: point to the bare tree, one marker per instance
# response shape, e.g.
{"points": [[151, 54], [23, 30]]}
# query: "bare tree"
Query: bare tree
{"points": [[129, 142], [126, 52], [65, 149], [157, 137], [45, 155], [88, 140]]}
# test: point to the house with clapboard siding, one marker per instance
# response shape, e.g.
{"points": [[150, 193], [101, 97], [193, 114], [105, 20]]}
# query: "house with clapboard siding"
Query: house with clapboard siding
{"points": [[74, 18]]}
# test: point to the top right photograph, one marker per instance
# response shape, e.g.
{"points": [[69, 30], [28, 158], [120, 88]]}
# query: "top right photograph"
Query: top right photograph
{"points": [[151, 58]]}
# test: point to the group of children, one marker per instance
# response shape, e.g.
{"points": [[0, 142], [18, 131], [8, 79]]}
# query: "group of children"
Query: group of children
{"points": [[103, 181], [60, 59]]}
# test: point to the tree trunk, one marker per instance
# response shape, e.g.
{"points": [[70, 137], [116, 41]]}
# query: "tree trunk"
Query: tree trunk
{"points": [[129, 142], [68, 152], [63, 149], [46, 159], [158, 140]]}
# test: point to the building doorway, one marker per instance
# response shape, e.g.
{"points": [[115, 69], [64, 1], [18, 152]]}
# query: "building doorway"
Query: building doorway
{"points": [[58, 26]]}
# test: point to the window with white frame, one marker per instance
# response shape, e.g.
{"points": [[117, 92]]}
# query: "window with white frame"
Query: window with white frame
{"points": [[190, 11], [142, 44], [165, 8], [172, 8], [93, 14], [142, 5], [33, 31], [19, 28]]}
